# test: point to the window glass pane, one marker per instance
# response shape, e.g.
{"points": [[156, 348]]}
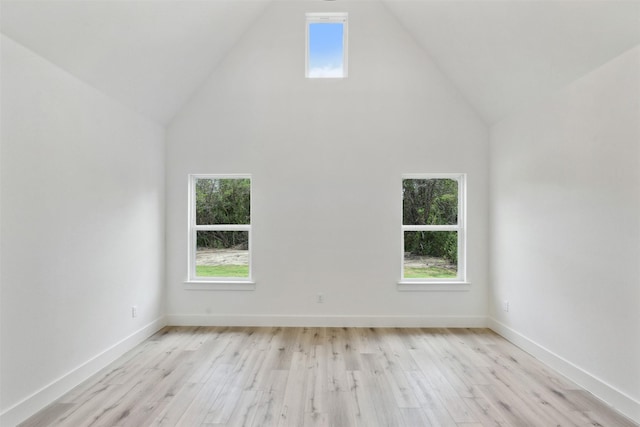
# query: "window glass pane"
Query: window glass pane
{"points": [[222, 254], [326, 49], [429, 202], [223, 201], [430, 254]]}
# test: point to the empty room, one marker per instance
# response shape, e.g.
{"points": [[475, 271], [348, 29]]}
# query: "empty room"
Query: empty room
{"points": [[320, 213]]}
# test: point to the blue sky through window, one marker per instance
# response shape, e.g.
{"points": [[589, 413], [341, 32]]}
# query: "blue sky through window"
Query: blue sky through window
{"points": [[326, 49]]}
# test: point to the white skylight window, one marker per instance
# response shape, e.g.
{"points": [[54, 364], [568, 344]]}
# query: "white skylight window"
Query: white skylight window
{"points": [[326, 45]]}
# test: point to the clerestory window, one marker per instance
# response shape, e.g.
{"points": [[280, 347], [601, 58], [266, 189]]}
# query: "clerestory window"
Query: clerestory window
{"points": [[326, 45]]}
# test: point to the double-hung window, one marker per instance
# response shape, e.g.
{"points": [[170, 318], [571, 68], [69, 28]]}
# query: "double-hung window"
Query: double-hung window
{"points": [[433, 228], [219, 228]]}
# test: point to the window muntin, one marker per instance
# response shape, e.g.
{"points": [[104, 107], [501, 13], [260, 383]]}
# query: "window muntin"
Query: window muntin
{"points": [[326, 45], [220, 228], [433, 228]]}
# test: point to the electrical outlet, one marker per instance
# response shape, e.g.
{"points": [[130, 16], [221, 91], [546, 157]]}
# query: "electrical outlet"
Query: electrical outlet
{"points": [[134, 311], [505, 305], [320, 298]]}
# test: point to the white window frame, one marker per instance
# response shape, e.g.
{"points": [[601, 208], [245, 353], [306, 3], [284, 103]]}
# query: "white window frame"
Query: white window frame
{"points": [[459, 282], [328, 17], [216, 283]]}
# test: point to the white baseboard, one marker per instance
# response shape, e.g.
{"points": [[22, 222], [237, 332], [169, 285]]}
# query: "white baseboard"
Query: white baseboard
{"points": [[49, 393], [328, 321], [618, 400]]}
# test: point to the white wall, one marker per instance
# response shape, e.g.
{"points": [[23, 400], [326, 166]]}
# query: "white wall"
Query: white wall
{"points": [[82, 230], [565, 188], [326, 158]]}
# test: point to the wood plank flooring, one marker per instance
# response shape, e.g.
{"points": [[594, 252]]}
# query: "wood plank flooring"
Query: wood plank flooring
{"points": [[308, 377]]}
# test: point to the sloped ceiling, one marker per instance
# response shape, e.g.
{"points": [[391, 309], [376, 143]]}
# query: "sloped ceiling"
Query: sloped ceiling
{"points": [[503, 55], [152, 55]]}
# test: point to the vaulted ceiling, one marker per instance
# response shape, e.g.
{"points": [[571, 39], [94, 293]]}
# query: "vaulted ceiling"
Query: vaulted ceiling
{"points": [[153, 55], [149, 55], [503, 55]]}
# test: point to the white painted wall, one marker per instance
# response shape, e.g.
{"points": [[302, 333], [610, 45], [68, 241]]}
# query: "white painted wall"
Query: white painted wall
{"points": [[326, 158], [565, 188], [82, 230]]}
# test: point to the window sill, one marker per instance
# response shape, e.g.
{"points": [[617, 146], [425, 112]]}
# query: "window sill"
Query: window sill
{"points": [[229, 285], [407, 286]]}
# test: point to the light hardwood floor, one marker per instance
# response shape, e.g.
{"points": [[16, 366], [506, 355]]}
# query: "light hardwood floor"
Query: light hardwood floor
{"points": [[371, 377]]}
